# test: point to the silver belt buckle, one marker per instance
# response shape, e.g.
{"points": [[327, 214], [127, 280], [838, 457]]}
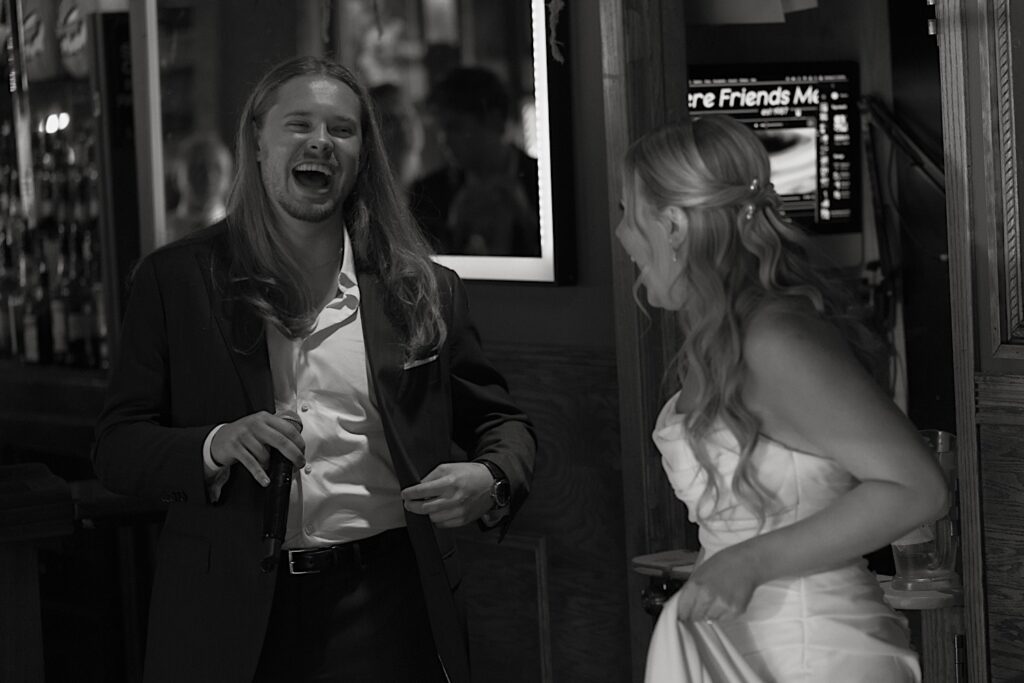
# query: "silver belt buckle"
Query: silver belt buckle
{"points": [[291, 564]]}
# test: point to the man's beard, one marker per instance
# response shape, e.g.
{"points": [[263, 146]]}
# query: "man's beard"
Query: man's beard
{"points": [[297, 207], [307, 211]]}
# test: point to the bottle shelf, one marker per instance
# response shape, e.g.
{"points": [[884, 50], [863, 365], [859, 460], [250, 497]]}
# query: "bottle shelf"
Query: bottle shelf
{"points": [[49, 409]]}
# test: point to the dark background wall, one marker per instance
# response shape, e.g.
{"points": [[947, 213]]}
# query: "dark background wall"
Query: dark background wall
{"points": [[921, 219], [581, 314], [555, 345]]}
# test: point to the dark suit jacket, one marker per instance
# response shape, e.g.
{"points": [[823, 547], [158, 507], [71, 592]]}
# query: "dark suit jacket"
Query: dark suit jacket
{"points": [[190, 360]]}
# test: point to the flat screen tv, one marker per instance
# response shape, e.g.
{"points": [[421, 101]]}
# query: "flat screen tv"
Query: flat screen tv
{"points": [[806, 115]]}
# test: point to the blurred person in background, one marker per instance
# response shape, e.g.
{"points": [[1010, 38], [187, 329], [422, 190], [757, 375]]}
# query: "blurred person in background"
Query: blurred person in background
{"points": [[400, 129], [202, 177], [484, 201]]}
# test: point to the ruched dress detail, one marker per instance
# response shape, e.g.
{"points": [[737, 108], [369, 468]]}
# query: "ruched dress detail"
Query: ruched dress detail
{"points": [[831, 626]]}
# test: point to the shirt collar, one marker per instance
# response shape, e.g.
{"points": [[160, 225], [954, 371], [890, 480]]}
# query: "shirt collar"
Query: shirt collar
{"points": [[347, 283]]}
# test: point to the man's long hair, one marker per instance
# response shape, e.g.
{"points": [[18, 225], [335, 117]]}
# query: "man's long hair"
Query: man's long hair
{"points": [[386, 241], [739, 253]]}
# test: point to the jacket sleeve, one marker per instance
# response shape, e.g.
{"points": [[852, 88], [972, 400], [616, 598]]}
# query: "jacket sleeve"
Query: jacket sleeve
{"points": [[136, 451], [487, 424]]}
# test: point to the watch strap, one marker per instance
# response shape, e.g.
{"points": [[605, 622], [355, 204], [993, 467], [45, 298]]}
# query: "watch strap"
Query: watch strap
{"points": [[501, 490], [495, 471]]}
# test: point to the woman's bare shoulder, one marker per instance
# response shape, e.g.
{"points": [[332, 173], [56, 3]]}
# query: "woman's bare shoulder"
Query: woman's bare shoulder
{"points": [[803, 380], [789, 332]]}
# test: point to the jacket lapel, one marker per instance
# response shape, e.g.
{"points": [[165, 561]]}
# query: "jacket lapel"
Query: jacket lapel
{"points": [[384, 349], [385, 354], [241, 329]]}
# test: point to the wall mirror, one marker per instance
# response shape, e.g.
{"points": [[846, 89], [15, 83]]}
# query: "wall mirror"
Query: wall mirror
{"points": [[473, 96]]}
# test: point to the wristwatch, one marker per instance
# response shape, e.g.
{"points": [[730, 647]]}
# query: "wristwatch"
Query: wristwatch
{"points": [[501, 490]]}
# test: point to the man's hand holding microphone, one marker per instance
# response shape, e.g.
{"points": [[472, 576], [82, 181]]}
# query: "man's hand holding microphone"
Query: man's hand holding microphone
{"points": [[270, 447]]}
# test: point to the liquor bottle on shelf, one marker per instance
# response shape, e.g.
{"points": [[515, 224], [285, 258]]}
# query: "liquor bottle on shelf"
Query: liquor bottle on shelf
{"points": [[17, 298], [53, 212], [38, 323], [10, 225], [8, 283], [8, 169], [98, 343], [77, 297], [8, 201], [59, 299], [44, 163]]}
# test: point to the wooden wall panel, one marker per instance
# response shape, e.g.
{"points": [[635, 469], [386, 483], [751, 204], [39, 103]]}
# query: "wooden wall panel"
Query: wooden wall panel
{"points": [[962, 36], [643, 61], [506, 594], [940, 632], [1002, 478], [571, 527]]}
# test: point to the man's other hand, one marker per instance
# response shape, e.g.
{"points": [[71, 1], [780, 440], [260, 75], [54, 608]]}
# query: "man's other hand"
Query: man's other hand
{"points": [[453, 494]]}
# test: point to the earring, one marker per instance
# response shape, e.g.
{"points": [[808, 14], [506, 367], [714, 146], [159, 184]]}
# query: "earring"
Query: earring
{"points": [[750, 211]]}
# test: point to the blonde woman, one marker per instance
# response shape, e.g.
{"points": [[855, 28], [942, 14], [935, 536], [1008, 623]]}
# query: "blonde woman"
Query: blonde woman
{"points": [[787, 453]]}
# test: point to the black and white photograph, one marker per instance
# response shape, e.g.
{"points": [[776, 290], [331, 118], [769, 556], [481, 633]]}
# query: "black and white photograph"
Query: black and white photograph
{"points": [[511, 341]]}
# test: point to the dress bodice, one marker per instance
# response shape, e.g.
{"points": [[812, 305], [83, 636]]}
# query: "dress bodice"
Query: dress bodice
{"points": [[800, 483], [829, 625]]}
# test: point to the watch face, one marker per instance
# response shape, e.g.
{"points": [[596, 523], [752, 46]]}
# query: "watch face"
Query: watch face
{"points": [[501, 492]]}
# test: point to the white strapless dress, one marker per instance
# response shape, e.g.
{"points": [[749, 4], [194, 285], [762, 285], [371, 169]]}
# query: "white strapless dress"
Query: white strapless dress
{"points": [[828, 627]]}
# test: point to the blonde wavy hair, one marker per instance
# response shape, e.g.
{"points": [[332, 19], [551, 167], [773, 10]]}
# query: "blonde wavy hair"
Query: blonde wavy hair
{"points": [[740, 252]]}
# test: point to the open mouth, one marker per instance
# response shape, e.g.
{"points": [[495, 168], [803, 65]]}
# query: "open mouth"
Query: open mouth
{"points": [[312, 175]]}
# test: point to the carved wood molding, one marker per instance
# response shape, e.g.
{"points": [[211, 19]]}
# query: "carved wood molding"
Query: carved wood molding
{"points": [[1006, 299], [1008, 171]]}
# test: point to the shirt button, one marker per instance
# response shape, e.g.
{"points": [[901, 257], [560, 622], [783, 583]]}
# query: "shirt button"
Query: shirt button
{"points": [[309, 528], [304, 408], [308, 469]]}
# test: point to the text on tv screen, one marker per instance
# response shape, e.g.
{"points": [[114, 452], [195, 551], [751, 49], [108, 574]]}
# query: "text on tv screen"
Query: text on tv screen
{"points": [[806, 115]]}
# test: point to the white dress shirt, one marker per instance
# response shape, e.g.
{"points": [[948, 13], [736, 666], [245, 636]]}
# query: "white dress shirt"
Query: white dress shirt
{"points": [[348, 489]]}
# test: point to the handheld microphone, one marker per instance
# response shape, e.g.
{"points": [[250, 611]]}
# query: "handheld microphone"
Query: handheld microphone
{"points": [[275, 510]]}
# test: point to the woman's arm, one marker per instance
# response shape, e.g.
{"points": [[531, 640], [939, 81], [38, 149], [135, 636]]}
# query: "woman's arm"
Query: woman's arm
{"points": [[812, 395]]}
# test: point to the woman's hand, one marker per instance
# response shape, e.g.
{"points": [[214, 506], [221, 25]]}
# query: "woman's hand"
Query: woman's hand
{"points": [[247, 440], [719, 588]]}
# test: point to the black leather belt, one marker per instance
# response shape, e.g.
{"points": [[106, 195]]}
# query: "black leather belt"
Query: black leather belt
{"points": [[350, 557]]}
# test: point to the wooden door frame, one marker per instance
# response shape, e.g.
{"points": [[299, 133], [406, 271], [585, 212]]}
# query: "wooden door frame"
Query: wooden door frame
{"points": [[963, 46], [644, 74], [642, 47]]}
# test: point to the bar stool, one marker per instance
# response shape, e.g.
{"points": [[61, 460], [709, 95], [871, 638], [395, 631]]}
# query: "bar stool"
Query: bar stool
{"points": [[35, 505], [135, 522], [668, 571]]}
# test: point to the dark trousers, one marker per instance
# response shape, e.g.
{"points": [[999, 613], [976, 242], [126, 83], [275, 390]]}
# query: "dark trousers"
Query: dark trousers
{"points": [[352, 624]]}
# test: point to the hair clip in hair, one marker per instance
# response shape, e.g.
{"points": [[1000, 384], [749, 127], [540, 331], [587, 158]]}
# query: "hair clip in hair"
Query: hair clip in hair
{"points": [[750, 211], [754, 184]]}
